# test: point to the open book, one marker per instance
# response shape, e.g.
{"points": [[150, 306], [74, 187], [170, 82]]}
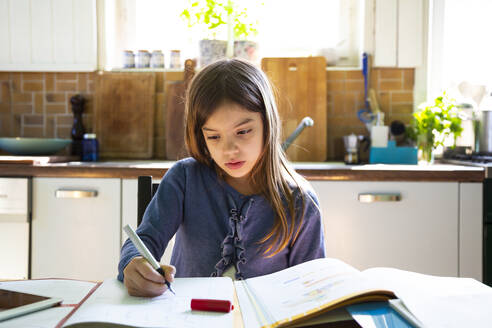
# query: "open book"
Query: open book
{"points": [[108, 304], [307, 290]]}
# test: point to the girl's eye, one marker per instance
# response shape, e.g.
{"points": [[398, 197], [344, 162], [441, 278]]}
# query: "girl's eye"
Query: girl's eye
{"points": [[244, 131], [213, 137]]}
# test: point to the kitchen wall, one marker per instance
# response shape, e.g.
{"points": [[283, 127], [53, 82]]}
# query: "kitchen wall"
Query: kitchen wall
{"points": [[37, 104]]}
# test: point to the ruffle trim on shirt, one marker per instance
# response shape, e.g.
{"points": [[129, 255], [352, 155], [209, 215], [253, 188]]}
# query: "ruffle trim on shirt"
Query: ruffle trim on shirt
{"points": [[232, 247]]}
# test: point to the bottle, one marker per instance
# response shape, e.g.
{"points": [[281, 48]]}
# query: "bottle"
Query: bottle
{"points": [[90, 148]]}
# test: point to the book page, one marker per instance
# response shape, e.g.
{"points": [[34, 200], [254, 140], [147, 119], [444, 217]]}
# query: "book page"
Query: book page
{"points": [[47, 318], [71, 291], [300, 290], [439, 301], [111, 304]]}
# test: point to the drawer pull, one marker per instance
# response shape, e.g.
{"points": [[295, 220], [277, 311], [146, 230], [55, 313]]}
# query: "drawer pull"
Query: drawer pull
{"points": [[372, 197], [68, 193]]}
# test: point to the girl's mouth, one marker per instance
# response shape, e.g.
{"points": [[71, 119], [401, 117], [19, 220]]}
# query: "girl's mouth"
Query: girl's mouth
{"points": [[235, 165]]}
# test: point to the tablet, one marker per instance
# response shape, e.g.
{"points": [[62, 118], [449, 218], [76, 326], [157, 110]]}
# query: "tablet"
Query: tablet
{"points": [[13, 304]]}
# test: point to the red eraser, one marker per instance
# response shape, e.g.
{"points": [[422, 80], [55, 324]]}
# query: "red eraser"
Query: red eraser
{"points": [[211, 305]]}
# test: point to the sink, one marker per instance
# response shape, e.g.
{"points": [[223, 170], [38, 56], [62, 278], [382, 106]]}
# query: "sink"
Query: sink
{"points": [[33, 146]]}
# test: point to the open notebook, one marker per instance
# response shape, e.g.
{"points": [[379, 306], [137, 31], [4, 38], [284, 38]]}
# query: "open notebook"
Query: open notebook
{"points": [[108, 304]]}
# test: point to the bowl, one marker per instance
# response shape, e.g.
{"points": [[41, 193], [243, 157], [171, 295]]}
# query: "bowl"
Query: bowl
{"points": [[33, 146]]}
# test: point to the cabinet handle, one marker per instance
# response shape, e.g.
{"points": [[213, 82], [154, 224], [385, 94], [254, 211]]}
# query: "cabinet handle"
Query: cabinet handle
{"points": [[373, 197], [68, 193]]}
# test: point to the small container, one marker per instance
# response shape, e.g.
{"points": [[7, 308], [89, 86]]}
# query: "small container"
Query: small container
{"points": [[175, 59], [143, 59], [128, 59], [157, 59], [90, 148]]}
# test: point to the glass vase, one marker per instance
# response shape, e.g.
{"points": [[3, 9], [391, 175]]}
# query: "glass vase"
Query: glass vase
{"points": [[425, 151]]}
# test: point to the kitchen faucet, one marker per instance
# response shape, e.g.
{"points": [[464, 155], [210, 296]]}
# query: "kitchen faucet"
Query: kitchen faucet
{"points": [[306, 121]]}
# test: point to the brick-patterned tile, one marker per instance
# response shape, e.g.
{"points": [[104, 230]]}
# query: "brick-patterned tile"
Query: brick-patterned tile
{"points": [[33, 120], [408, 79], [21, 109], [405, 118], [402, 108], [16, 126], [336, 75], [357, 85], [89, 104], [5, 91], [82, 82], [33, 131], [54, 109], [390, 85], [87, 122], [4, 76], [63, 132], [30, 76], [355, 75], [384, 99], [15, 79], [55, 97], [344, 121], [405, 97], [39, 103], [50, 126], [28, 86], [91, 86], [66, 76], [21, 97], [64, 120], [333, 86], [50, 82], [390, 73], [4, 108], [65, 86]]}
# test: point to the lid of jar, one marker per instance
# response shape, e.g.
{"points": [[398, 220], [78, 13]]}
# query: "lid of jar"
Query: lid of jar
{"points": [[89, 136]]}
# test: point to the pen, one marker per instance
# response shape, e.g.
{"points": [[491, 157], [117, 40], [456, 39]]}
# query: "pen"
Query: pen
{"points": [[144, 251]]}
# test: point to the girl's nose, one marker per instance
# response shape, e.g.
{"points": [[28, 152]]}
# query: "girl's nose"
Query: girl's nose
{"points": [[230, 146]]}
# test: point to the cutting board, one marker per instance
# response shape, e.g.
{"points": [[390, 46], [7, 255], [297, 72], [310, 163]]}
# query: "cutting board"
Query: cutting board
{"points": [[175, 112], [124, 112], [36, 160], [300, 84]]}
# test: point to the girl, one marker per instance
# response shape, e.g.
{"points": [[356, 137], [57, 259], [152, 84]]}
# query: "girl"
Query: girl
{"points": [[236, 206]]}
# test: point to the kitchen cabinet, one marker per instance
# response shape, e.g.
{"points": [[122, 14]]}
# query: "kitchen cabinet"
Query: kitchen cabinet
{"points": [[435, 228], [48, 35], [76, 229], [398, 32]]}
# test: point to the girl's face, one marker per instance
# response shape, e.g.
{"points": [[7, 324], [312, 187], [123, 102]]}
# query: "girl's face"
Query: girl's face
{"points": [[234, 137]]}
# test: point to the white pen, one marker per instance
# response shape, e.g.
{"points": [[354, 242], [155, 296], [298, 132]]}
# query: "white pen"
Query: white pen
{"points": [[144, 251]]}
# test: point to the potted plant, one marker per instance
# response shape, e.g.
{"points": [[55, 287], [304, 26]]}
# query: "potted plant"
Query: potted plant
{"points": [[432, 124], [216, 19]]}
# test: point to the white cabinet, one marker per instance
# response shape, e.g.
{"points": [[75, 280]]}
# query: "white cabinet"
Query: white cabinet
{"points": [[48, 35], [76, 228], [399, 27], [418, 233]]}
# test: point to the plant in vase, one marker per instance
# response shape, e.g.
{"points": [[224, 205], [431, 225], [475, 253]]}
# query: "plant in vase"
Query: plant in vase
{"points": [[432, 124], [220, 19]]}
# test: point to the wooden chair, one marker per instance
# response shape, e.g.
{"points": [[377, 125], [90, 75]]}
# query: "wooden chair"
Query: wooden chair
{"points": [[145, 191]]}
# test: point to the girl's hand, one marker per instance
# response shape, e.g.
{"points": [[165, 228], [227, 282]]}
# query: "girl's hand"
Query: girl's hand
{"points": [[141, 279]]}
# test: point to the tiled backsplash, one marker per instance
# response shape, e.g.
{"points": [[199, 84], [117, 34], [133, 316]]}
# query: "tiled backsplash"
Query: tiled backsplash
{"points": [[38, 104]]}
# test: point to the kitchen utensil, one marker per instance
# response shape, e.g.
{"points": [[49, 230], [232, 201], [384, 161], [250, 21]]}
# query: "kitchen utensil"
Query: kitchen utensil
{"points": [[175, 108], [472, 91], [485, 126], [124, 114], [365, 114], [33, 146], [301, 88]]}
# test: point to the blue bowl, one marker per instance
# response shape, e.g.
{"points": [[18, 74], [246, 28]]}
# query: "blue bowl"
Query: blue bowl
{"points": [[33, 146]]}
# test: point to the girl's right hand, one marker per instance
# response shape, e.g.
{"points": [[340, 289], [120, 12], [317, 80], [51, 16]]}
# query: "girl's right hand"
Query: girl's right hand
{"points": [[141, 279]]}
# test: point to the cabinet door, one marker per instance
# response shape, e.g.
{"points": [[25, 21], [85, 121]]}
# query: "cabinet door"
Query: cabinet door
{"points": [[418, 233], [48, 35], [75, 228]]}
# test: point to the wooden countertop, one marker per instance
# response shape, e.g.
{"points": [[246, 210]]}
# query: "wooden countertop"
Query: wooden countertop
{"points": [[333, 171]]}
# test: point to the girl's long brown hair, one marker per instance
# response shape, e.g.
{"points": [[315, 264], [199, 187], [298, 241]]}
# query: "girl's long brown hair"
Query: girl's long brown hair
{"points": [[237, 81]]}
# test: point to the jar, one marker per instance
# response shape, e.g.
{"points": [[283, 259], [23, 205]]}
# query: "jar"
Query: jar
{"points": [[90, 148], [128, 59], [143, 59], [175, 59], [157, 59]]}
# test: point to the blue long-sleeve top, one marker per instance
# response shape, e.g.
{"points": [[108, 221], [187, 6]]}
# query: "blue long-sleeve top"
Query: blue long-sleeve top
{"points": [[216, 226]]}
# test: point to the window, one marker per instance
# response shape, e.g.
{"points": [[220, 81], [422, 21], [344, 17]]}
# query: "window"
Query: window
{"points": [[285, 28], [459, 47]]}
